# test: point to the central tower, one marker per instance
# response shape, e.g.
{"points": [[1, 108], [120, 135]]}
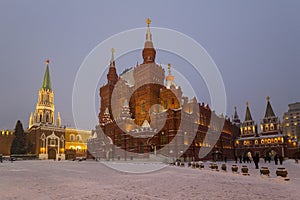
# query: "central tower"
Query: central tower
{"points": [[149, 79]]}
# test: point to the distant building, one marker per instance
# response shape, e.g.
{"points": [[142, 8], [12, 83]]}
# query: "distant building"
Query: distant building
{"points": [[47, 138], [291, 120], [291, 128], [6, 139]]}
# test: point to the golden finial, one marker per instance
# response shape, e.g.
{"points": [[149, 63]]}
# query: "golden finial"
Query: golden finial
{"points": [[268, 98], [247, 103], [148, 21], [169, 68], [47, 61], [112, 50]]}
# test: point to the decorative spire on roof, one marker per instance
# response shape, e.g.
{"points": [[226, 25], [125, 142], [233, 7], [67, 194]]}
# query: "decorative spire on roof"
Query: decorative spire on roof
{"points": [[236, 118], [125, 111], [112, 76], [146, 124], [248, 116], [269, 109], [106, 116], [148, 51], [170, 78], [47, 82], [112, 60], [148, 35]]}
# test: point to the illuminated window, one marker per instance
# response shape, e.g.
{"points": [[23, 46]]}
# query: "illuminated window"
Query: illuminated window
{"points": [[143, 107], [131, 143], [119, 140], [78, 137], [186, 139], [269, 141], [262, 141], [256, 141], [163, 139], [141, 147], [72, 137], [52, 142], [275, 140]]}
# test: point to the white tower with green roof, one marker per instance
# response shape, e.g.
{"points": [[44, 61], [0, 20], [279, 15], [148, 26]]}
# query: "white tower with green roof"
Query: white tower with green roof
{"points": [[44, 112]]}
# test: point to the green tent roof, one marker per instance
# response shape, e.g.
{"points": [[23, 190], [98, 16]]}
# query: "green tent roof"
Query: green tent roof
{"points": [[47, 82]]}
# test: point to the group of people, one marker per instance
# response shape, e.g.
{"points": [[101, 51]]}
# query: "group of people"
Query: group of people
{"points": [[256, 158]]}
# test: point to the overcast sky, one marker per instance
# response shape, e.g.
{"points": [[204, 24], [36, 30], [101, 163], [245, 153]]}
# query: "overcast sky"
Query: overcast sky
{"points": [[255, 45]]}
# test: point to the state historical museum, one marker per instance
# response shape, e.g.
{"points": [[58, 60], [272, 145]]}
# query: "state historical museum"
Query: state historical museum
{"points": [[143, 114]]}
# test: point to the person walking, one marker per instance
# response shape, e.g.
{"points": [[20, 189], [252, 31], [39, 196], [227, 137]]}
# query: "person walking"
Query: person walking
{"points": [[276, 159], [256, 160], [280, 159]]}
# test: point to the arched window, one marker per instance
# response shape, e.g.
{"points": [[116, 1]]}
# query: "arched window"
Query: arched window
{"points": [[163, 139], [78, 137], [143, 107], [72, 137], [131, 143], [119, 140], [40, 117], [185, 139], [141, 147], [47, 117]]}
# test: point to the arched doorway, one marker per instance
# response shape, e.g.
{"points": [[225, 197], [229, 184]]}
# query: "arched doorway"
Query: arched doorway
{"points": [[52, 154]]}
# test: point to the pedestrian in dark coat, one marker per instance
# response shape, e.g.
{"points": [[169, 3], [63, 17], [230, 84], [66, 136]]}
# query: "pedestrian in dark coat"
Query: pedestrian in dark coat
{"points": [[280, 159], [276, 159], [256, 160]]}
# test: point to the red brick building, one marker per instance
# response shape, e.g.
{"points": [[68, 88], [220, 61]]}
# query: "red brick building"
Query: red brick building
{"points": [[144, 113]]}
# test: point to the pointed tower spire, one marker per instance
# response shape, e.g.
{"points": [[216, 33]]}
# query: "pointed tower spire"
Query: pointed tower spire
{"points": [[47, 82], [248, 116], [236, 118], [30, 120], [148, 51], [58, 120], [125, 111], [112, 76], [170, 78], [112, 60], [269, 109]]}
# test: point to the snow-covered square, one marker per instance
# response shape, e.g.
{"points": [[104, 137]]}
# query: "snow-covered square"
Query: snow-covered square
{"points": [[94, 180]]}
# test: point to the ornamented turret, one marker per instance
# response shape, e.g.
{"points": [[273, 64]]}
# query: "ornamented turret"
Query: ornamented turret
{"points": [[170, 78], [148, 51], [248, 127], [270, 124], [58, 120], [44, 112], [125, 112], [106, 116], [236, 120], [112, 76]]}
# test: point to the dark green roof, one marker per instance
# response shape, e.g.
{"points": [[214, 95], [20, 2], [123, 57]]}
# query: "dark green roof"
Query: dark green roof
{"points": [[248, 116], [269, 110], [47, 82]]}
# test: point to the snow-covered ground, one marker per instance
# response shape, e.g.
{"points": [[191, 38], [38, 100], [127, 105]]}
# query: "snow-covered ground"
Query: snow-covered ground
{"points": [[93, 180]]}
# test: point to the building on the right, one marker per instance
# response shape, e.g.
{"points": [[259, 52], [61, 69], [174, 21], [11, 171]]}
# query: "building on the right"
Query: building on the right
{"points": [[274, 137], [291, 120], [268, 142], [291, 128]]}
